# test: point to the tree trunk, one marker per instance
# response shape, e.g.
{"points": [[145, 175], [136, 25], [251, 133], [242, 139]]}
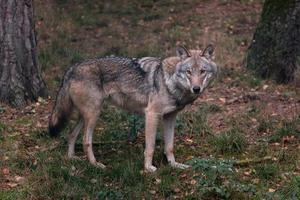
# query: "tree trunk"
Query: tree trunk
{"points": [[275, 49], [20, 75]]}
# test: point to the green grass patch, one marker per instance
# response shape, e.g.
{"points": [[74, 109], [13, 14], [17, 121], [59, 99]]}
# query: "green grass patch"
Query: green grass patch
{"points": [[169, 181], [120, 125], [291, 189], [265, 125], [232, 141], [12, 194], [195, 122], [251, 80], [287, 128], [3, 127], [219, 181], [267, 171]]}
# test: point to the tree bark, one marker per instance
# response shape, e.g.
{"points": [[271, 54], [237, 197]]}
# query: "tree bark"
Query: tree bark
{"points": [[20, 75], [275, 49]]}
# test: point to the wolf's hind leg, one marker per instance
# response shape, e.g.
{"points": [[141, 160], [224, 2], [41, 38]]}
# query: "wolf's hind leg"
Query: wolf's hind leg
{"points": [[72, 138], [88, 99], [90, 120], [169, 125]]}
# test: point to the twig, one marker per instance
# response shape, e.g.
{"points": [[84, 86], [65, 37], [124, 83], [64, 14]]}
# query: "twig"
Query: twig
{"points": [[252, 161]]}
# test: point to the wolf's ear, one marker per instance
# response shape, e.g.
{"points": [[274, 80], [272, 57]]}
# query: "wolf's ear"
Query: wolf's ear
{"points": [[182, 52], [208, 51]]}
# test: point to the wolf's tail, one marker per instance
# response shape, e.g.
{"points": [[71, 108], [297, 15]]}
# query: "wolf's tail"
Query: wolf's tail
{"points": [[61, 111]]}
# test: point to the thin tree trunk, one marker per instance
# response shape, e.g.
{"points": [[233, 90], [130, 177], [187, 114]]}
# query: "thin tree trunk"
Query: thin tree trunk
{"points": [[20, 75], [275, 49]]}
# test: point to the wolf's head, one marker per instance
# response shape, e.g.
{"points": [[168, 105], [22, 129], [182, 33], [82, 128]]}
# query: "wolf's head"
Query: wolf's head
{"points": [[195, 71]]}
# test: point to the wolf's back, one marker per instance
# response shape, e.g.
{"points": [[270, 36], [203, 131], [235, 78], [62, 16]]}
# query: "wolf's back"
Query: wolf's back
{"points": [[61, 111]]}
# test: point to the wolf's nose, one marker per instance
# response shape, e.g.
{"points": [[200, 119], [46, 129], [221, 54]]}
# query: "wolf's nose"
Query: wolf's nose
{"points": [[196, 89]]}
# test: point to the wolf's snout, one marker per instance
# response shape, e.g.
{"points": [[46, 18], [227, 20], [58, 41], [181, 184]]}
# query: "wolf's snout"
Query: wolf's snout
{"points": [[196, 89]]}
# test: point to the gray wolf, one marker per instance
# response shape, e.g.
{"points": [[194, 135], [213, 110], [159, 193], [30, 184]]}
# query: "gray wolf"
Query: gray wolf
{"points": [[142, 86]]}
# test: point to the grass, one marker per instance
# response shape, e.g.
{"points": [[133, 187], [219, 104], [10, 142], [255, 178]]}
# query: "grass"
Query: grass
{"points": [[3, 127], [195, 123], [265, 125], [267, 171], [291, 190], [287, 129], [232, 141]]}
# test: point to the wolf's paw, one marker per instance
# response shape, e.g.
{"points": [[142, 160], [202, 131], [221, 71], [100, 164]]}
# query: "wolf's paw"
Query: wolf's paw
{"points": [[150, 168], [179, 165]]}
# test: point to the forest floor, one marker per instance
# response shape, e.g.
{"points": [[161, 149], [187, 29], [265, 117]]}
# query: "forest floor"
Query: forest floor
{"points": [[241, 136]]}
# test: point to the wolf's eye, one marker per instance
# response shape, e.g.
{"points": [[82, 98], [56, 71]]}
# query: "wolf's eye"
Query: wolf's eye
{"points": [[188, 72], [202, 71]]}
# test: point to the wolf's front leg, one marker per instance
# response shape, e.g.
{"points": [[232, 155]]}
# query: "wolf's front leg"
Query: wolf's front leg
{"points": [[169, 125], [150, 134]]}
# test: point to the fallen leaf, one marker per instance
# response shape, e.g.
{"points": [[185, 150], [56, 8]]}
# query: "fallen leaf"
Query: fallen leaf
{"points": [[256, 180], [247, 173], [19, 179], [5, 171], [193, 182], [223, 100], [271, 190], [190, 157], [188, 140], [265, 87], [253, 120], [152, 191], [177, 190], [157, 181], [93, 180], [12, 185], [183, 175]]}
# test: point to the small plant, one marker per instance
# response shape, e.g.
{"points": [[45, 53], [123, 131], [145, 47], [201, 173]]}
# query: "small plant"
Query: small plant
{"points": [[255, 82], [253, 110], [213, 108], [267, 171], [218, 179], [288, 157], [265, 126], [232, 141], [251, 80], [288, 128], [3, 127], [109, 194], [291, 190]]}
